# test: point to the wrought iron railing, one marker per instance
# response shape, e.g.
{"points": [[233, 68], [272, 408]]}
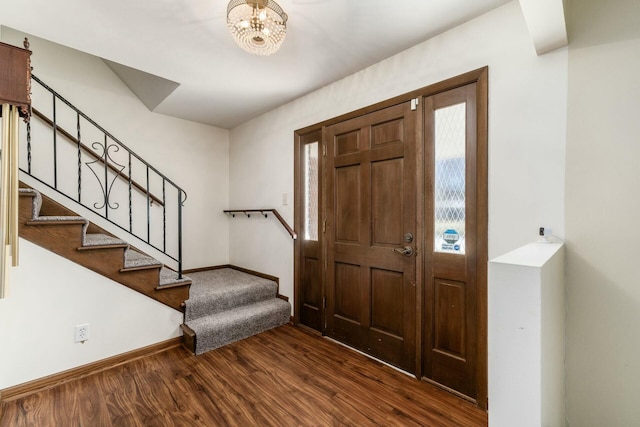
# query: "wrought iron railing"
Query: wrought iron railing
{"points": [[103, 176]]}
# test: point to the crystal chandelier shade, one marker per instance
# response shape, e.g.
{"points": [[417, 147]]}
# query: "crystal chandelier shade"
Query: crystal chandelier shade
{"points": [[258, 26]]}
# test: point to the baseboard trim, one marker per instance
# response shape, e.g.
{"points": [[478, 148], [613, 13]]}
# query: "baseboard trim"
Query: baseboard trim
{"points": [[198, 270], [452, 391], [40, 384]]}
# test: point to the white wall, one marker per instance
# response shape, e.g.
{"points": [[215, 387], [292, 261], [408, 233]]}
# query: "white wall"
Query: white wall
{"points": [[603, 207], [48, 295], [527, 130], [194, 155]]}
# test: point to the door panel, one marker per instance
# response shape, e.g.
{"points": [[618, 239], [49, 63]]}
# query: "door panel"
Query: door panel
{"points": [[310, 312], [310, 304], [387, 301], [450, 305], [370, 205], [347, 143], [348, 292], [450, 309], [347, 191], [385, 133], [386, 202]]}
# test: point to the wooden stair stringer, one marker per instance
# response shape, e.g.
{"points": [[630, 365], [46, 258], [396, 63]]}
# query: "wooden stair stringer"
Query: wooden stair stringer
{"points": [[65, 238]]}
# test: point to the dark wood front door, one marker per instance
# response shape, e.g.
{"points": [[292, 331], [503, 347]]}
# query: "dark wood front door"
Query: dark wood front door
{"points": [[371, 221], [389, 171]]}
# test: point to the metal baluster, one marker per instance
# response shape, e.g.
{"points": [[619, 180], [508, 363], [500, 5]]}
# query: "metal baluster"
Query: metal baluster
{"points": [[79, 160], [164, 216], [148, 209], [29, 143], [130, 204], [180, 234], [55, 146]]}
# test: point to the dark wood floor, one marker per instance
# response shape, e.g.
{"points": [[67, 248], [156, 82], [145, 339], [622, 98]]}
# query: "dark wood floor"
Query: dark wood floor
{"points": [[283, 377]]}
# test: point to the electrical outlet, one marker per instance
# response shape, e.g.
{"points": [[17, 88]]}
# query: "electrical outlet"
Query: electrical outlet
{"points": [[82, 332]]}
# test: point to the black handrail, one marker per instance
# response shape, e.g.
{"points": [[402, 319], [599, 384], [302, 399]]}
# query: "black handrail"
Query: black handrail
{"points": [[264, 212], [109, 145]]}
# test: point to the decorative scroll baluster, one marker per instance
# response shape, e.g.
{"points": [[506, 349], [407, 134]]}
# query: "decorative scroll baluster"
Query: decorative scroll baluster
{"points": [[106, 178], [108, 162]]}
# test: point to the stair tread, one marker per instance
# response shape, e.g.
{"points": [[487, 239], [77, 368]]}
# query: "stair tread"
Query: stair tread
{"points": [[219, 290], [239, 312], [169, 278], [215, 330], [53, 218], [36, 203], [135, 259], [98, 239]]}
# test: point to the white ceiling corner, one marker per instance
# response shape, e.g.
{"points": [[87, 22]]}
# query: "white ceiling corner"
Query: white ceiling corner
{"points": [[546, 22]]}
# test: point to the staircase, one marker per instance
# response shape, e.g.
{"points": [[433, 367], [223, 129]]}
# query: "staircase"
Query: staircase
{"points": [[58, 229], [222, 307], [227, 305]]}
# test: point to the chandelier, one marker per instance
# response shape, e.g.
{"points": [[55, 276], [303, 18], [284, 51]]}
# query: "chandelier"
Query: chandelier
{"points": [[258, 26]]}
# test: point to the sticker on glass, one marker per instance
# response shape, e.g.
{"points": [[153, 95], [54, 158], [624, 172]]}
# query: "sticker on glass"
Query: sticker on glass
{"points": [[450, 237]]}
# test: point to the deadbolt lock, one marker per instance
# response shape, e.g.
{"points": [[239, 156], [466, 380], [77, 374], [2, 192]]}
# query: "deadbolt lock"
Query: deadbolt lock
{"points": [[408, 237]]}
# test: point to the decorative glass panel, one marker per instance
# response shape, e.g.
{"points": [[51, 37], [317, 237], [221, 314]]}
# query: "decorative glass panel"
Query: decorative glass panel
{"points": [[449, 187], [311, 191]]}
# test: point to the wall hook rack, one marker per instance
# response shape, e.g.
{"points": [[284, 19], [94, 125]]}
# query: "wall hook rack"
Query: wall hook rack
{"points": [[266, 213]]}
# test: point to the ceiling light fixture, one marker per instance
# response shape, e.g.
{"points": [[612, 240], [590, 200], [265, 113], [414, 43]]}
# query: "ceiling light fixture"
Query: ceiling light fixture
{"points": [[258, 26]]}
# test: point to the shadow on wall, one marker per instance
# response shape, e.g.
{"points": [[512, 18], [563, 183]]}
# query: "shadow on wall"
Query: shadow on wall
{"points": [[605, 24], [600, 316]]}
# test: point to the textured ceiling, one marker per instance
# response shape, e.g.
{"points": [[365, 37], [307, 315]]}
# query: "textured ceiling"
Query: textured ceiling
{"points": [[186, 42]]}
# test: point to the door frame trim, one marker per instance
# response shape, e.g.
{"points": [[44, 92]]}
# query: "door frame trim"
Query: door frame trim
{"points": [[479, 76]]}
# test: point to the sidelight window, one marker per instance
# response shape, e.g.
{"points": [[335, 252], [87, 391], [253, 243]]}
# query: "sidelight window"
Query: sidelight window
{"points": [[310, 191], [449, 186]]}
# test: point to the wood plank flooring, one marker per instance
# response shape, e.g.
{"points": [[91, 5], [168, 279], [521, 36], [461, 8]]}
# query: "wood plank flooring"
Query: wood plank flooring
{"points": [[282, 377]]}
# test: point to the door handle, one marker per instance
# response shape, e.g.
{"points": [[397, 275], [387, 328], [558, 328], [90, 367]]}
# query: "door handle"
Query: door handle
{"points": [[406, 251]]}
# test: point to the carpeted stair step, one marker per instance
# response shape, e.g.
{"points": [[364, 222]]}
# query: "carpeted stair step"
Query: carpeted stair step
{"points": [[215, 291], [101, 241], [37, 200], [232, 325], [134, 260], [170, 279], [52, 220]]}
